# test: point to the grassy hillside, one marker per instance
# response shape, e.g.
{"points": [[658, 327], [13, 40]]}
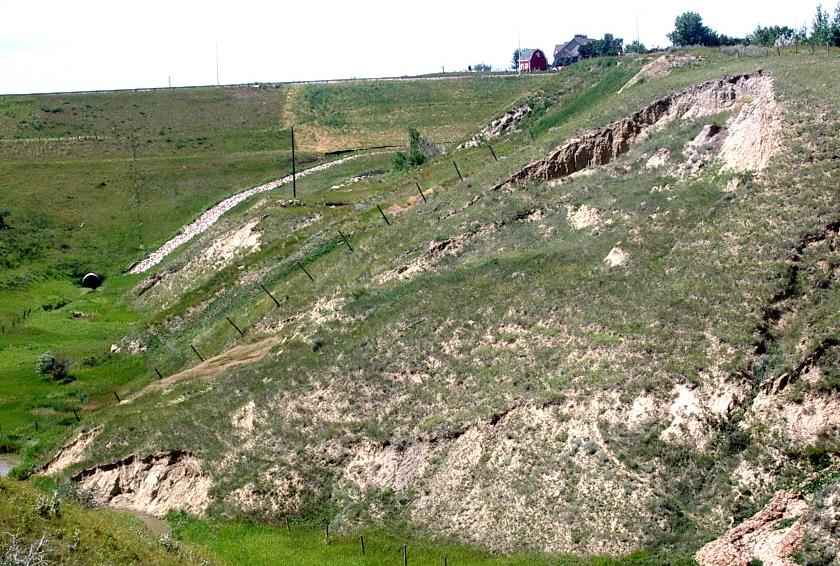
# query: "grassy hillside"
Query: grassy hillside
{"points": [[37, 527], [93, 182], [471, 369]]}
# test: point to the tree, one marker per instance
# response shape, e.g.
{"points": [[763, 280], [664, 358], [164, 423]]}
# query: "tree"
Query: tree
{"points": [[771, 35], [689, 30], [514, 63], [821, 33], [419, 151], [609, 46], [50, 366], [835, 27], [635, 47], [481, 68]]}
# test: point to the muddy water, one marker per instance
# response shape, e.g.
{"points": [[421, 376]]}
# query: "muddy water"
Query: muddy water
{"points": [[7, 463]]}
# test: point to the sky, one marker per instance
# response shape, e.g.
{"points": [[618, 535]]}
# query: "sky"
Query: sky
{"points": [[52, 46]]}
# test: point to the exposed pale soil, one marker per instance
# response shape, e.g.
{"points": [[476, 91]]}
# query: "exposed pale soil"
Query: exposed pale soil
{"points": [[506, 123], [220, 253], [210, 217], [601, 146], [760, 536], [236, 356], [617, 257], [660, 68], [71, 453], [583, 217], [154, 484]]}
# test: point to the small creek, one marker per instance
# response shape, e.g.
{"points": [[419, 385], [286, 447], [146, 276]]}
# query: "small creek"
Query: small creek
{"points": [[7, 463]]}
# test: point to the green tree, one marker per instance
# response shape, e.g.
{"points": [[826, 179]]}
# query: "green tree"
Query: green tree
{"points": [[771, 35], [835, 27], [417, 152], [689, 30], [607, 47], [636, 47], [50, 366], [821, 33], [514, 62]]}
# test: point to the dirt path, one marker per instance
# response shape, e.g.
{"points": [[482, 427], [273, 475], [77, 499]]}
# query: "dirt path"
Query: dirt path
{"points": [[236, 356], [210, 217]]}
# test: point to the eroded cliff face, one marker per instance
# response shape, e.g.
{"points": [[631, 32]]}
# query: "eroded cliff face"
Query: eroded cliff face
{"points": [[605, 144], [153, 484]]}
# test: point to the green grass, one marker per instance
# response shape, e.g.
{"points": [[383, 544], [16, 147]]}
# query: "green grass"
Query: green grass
{"points": [[81, 535], [247, 543]]}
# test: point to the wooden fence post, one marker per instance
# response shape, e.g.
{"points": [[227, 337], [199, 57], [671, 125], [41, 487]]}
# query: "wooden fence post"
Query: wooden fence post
{"points": [[234, 325], [307, 273], [267, 292], [383, 215], [346, 241], [458, 170]]}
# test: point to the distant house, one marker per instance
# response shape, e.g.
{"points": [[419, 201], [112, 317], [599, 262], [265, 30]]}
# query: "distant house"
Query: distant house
{"points": [[532, 60], [568, 53]]}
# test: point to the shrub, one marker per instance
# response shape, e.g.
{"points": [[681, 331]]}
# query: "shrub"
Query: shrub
{"points": [[420, 150], [50, 366], [54, 303]]}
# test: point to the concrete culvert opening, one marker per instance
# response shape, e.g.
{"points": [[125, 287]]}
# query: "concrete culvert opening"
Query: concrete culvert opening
{"points": [[91, 281]]}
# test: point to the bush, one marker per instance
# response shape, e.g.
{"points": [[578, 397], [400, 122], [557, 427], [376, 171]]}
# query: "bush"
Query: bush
{"points": [[420, 150], [54, 303], [50, 366]]}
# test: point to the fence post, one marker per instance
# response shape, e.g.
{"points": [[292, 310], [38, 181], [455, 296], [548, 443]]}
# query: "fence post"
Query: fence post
{"points": [[421, 191], [307, 273], [276, 302], [457, 170], [346, 241], [383, 215], [234, 325]]}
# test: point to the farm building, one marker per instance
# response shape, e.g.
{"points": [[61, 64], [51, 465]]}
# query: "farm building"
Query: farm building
{"points": [[532, 60], [568, 53]]}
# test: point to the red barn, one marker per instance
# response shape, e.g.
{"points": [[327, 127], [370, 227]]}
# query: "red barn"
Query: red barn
{"points": [[532, 60]]}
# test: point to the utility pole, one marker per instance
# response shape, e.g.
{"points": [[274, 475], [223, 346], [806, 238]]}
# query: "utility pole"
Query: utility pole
{"points": [[638, 41], [217, 63], [294, 170]]}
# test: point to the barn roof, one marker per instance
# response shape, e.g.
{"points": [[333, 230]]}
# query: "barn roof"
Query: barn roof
{"points": [[526, 54]]}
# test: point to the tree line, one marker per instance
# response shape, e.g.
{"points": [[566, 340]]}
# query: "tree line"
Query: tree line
{"points": [[689, 29]]}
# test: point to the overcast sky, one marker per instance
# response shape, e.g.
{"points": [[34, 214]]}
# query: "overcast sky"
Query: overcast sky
{"points": [[49, 45]]}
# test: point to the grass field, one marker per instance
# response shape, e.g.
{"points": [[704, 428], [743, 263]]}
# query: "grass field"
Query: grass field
{"points": [[517, 324], [245, 543]]}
